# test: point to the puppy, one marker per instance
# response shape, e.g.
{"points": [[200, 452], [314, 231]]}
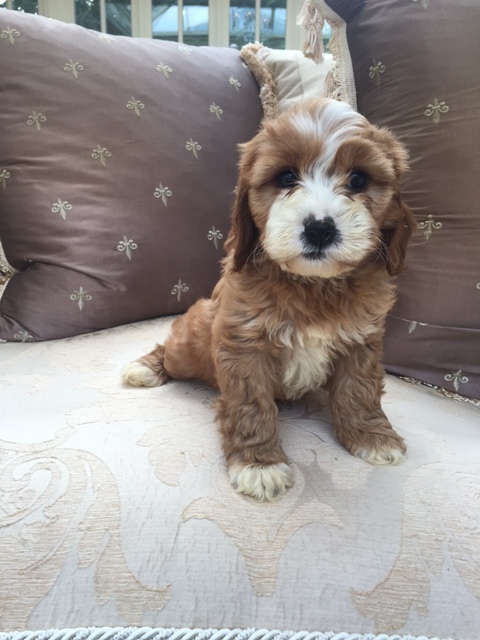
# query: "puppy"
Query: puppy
{"points": [[318, 229]]}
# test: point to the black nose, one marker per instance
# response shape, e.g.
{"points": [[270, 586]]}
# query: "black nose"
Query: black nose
{"points": [[320, 233]]}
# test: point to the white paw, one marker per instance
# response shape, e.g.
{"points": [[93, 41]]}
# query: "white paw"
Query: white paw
{"points": [[137, 374], [268, 482], [382, 455]]}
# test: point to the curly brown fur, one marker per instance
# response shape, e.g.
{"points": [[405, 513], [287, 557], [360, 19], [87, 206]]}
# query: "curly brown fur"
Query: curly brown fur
{"points": [[318, 229]]}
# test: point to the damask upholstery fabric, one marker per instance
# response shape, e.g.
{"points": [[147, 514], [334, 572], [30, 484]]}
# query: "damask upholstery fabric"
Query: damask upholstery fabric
{"points": [[115, 507], [117, 168], [416, 68]]}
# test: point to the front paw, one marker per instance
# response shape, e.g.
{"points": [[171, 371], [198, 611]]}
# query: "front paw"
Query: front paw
{"points": [[379, 448], [262, 482]]}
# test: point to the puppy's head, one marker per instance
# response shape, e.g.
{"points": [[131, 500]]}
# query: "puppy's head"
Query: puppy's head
{"points": [[318, 193]]}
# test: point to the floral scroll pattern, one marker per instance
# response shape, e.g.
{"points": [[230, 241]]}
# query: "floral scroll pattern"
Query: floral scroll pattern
{"points": [[164, 193], [106, 38], [376, 71], [429, 225], [102, 154], [215, 235], [216, 110], [23, 336], [10, 34], [105, 499], [36, 120], [434, 109], [193, 146], [61, 207], [456, 378], [4, 176], [135, 105], [179, 289], [165, 69], [80, 297], [68, 513], [235, 83], [447, 512], [261, 536], [128, 246], [73, 67]]}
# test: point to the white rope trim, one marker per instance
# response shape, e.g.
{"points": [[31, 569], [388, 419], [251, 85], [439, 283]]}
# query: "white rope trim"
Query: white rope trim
{"points": [[5, 267], [149, 633], [6, 271]]}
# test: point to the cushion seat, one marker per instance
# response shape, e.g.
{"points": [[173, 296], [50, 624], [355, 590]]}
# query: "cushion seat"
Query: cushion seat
{"points": [[116, 507]]}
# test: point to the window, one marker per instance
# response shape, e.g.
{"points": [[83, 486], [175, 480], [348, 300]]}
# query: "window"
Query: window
{"points": [[29, 6], [110, 16], [263, 20], [165, 20], [195, 16], [273, 22], [193, 22], [87, 14], [183, 21], [119, 17]]}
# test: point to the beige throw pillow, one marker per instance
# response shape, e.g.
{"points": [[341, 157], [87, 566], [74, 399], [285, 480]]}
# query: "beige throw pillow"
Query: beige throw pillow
{"points": [[286, 76]]}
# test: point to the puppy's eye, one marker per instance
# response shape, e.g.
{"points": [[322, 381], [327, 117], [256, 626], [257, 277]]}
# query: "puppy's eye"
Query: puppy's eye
{"points": [[287, 179], [357, 180]]}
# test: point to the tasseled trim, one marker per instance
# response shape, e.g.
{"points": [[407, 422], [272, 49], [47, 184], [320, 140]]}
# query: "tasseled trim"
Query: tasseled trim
{"points": [[311, 19], [333, 83], [339, 83]]}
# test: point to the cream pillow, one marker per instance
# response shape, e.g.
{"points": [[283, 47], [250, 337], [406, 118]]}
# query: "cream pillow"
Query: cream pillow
{"points": [[286, 76]]}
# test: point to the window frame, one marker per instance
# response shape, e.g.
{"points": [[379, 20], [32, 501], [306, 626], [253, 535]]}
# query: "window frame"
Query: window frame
{"points": [[141, 14]]}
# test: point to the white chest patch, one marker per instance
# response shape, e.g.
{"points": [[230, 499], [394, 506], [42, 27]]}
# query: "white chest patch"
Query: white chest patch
{"points": [[305, 366]]}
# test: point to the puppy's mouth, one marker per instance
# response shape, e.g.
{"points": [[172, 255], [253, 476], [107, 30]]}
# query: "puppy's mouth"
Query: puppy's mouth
{"points": [[314, 255]]}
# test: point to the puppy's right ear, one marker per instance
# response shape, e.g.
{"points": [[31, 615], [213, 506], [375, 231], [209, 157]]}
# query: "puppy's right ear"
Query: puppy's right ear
{"points": [[243, 236]]}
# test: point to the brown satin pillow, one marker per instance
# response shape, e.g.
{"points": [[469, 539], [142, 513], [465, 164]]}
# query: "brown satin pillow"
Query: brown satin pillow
{"points": [[414, 66], [117, 166]]}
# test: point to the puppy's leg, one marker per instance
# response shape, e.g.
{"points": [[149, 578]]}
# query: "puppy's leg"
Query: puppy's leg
{"points": [[147, 371], [185, 354], [247, 419], [360, 424]]}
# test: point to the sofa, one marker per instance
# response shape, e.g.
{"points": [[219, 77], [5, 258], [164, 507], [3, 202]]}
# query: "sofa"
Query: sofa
{"points": [[117, 521]]}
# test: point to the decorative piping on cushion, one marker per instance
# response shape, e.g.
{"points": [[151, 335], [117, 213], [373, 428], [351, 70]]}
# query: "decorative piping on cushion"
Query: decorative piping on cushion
{"points": [[264, 77], [148, 633], [444, 392], [340, 82], [6, 271]]}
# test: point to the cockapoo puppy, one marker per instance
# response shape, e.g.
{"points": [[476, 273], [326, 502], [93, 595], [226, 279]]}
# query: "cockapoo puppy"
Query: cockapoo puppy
{"points": [[318, 230]]}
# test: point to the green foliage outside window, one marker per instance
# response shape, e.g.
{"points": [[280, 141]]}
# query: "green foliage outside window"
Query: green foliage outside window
{"points": [[29, 6]]}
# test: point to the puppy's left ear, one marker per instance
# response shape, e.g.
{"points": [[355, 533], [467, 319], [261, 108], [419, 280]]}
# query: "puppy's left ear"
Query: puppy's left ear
{"points": [[395, 235], [400, 223], [243, 236]]}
